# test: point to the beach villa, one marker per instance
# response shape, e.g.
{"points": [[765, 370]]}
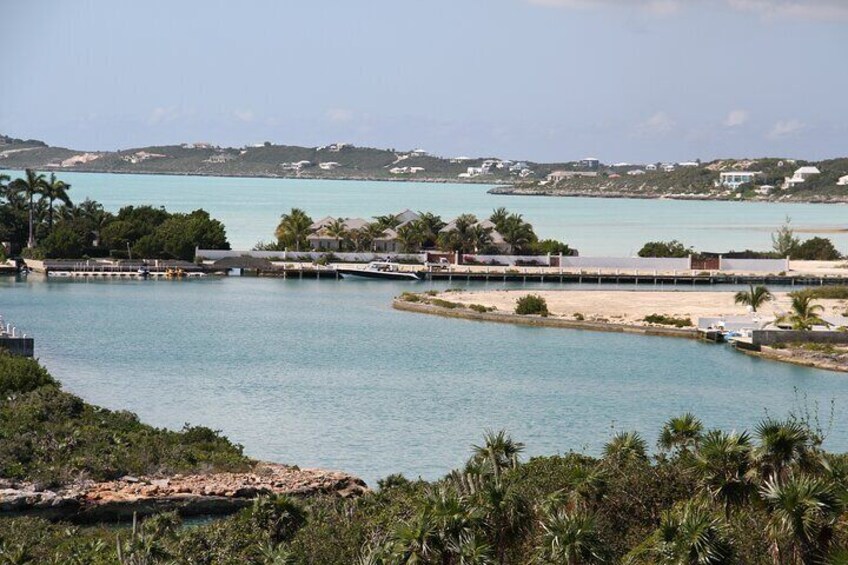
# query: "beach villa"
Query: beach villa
{"points": [[320, 237], [735, 179]]}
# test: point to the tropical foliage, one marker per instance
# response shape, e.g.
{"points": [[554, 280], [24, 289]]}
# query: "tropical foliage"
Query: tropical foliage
{"points": [[754, 297], [804, 313]]}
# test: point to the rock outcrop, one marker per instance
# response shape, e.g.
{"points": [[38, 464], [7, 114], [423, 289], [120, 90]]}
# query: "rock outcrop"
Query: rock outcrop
{"points": [[197, 494]]}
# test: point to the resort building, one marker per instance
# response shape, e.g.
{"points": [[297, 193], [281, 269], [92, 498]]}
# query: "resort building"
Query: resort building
{"points": [[321, 239], [800, 176], [557, 176], [651, 167], [497, 239], [735, 179], [590, 163]]}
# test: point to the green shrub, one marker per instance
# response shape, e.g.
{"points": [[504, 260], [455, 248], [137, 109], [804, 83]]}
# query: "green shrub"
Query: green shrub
{"points": [[825, 292], [663, 320], [20, 375], [532, 304], [482, 309], [410, 297], [579, 317], [445, 303]]}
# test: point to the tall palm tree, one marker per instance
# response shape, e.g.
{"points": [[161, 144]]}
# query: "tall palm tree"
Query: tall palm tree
{"points": [[517, 233], [53, 190], [721, 464], [387, 222], [31, 184], [689, 535], [293, 229], [411, 237], [804, 514], [804, 314], [338, 231], [754, 297], [431, 224], [626, 445], [499, 216], [570, 538], [480, 238], [683, 433], [373, 232]]}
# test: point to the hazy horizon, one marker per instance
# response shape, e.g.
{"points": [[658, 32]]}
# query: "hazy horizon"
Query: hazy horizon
{"points": [[543, 80]]}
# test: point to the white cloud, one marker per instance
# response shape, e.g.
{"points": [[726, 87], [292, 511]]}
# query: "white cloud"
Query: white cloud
{"points": [[828, 10], [339, 115], [786, 128], [736, 118], [244, 115], [658, 124]]}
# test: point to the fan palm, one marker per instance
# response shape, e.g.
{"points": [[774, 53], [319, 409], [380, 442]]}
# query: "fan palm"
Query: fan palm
{"points": [[570, 538], [31, 184], [783, 444], [54, 190], [721, 464], [682, 432], [626, 445], [804, 514], [293, 229], [689, 535], [754, 297], [804, 314], [498, 452]]}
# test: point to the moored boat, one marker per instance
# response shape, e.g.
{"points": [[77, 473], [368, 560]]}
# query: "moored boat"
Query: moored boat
{"points": [[380, 270]]}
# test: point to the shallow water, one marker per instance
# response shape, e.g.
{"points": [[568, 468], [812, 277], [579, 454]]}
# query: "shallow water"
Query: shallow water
{"points": [[325, 373], [250, 208]]}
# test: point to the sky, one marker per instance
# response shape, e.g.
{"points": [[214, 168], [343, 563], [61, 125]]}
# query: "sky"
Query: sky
{"points": [[545, 80]]}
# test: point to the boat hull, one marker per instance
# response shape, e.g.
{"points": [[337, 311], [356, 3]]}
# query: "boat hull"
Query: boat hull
{"points": [[396, 276]]}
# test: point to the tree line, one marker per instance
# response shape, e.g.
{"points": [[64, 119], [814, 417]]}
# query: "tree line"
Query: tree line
{"points": [[39, 220], [469, 234]]}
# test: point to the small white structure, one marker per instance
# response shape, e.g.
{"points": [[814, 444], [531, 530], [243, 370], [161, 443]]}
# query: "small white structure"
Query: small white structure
{"points": [[800, 176], [329, 165], [590, 163], [690, 164], [843, 181], [735, 179], [636, 172], [651, 167], [418, 153], [668, 168]]}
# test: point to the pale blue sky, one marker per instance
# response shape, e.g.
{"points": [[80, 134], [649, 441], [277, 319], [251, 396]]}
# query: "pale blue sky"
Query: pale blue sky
{"points": [[623, 80]]}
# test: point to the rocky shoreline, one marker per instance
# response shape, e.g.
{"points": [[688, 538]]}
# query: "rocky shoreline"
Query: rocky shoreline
{"points": [[189, 495], [836, 362]]}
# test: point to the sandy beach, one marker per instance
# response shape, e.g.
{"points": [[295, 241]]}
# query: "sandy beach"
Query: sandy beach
{"points": [[631, 307]]}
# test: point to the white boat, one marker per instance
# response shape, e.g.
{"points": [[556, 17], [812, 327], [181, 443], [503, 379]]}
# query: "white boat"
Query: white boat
{"points": [[380, 270]]}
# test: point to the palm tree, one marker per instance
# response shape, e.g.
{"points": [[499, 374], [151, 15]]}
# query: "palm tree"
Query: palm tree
{"points": [[517, 233], [431, 224], [682, 432], [337, 229], [387, 222], [461, 237], [293, 229], [373, 232], [689, 535], [754, 297], [721, 464], [782, 446], [480, 238], [33, 183], [626, 445], [804, 514], [804, 314], [570, 538], [411, 236], [499, 216], [53, 190], [498, 452]]}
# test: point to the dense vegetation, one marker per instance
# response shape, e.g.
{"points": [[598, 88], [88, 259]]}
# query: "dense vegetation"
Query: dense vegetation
{"points": [[705, 497], [52, 437], [38, 218]]}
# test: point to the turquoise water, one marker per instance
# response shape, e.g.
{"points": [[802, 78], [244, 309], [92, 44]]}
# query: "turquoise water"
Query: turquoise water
{"points": [[250, 209], [325, 373]]}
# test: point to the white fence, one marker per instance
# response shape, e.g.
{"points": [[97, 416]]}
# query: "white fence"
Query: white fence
{"points": [[606, 263], [755, 265]]}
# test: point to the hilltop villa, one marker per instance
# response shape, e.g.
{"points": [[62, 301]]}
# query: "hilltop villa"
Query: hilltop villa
{"points": [[735, 179]]}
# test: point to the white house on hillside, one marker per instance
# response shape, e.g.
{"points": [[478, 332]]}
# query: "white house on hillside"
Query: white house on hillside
{"points": [[735, 179], [800, 176], [843, 181]]}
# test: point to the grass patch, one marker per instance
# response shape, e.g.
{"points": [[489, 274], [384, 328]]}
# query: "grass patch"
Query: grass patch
{"points": [[482, 309], [825, 292], [410, 297], [663, 320], [445, 303]]}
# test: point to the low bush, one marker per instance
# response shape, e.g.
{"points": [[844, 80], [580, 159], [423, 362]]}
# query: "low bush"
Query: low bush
{"points": [[579, 317], [445, 303], [532, 304], [19, 375], [825, 292], [482, 309], [663, 320], [410, 297]]}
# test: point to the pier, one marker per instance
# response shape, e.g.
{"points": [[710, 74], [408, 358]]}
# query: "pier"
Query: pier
{"points": [[13, 341]]}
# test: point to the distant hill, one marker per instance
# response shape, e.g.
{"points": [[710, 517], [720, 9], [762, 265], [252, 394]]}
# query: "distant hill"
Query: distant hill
{"points": [[693, 180]]}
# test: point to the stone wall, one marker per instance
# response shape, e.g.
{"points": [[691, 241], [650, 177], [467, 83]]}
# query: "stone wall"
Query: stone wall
{"points": [[771, 337]]}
